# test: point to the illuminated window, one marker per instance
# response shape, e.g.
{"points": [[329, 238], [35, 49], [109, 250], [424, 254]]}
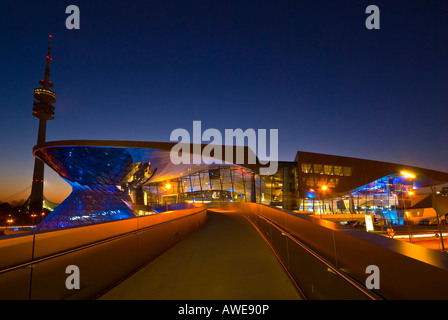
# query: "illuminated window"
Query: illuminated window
{"points": [[306, 167], [328, 169], [338, 171], [318, 168]]}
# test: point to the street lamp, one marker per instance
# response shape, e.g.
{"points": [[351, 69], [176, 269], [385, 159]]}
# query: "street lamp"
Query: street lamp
{"points": [[408, 215], [323, 189], [10, 221], [409, 175], [312, 196], [167, 188]]}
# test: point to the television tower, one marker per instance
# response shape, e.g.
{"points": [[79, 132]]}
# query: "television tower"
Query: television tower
{"points": [[43, 110]]}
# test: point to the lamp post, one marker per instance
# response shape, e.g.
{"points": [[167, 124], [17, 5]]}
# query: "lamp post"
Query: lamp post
{"points": [[410, 193], [411, 176], [323, 189], [408, 220], [167, 188], [312, 190]]}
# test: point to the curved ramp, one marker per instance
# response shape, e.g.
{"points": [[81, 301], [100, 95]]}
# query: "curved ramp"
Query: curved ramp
{"points": [[226, 259]]}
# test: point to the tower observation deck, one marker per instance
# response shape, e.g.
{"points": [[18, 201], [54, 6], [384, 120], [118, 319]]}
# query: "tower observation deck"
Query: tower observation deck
{"points": [[43, 110]]}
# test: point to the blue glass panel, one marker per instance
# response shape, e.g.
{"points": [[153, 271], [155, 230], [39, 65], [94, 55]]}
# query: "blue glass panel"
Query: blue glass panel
{"points": [[88, 206]]}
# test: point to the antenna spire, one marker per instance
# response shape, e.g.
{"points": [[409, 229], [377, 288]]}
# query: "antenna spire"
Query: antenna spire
{"points": [[46, 83]]}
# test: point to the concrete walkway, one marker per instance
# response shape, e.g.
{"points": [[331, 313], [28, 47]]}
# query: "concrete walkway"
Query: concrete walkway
{"points": [[226, 259]]}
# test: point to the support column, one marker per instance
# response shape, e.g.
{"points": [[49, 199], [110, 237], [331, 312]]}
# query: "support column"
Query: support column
{"points": [[37, 187], [253, 196]]}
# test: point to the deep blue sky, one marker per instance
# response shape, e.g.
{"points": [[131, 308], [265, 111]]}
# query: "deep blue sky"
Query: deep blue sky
{"points": [[136, 70]]}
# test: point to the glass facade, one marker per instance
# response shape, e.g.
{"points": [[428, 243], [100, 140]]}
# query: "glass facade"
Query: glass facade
{"points": [[105, 184], [387, 198], [218, 184], [280, 189], [228, 184], [318, 175], [86, 205]]}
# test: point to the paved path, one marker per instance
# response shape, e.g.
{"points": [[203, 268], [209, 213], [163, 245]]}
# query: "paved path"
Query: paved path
{"points": [[226, 259]]}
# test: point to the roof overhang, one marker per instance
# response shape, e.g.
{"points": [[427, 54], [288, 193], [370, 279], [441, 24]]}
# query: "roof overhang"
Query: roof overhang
{"points": [[108, 161]]}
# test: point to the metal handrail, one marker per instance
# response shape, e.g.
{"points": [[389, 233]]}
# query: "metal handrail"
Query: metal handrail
{"points": [[93, 244], [329, 265]]}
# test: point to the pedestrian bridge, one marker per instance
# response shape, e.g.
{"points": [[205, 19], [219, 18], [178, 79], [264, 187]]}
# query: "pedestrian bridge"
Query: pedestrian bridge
{"points": [[231, 251]]}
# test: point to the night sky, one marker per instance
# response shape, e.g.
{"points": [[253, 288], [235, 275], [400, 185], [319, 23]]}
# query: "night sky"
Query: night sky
{"points": [[137, 70]]}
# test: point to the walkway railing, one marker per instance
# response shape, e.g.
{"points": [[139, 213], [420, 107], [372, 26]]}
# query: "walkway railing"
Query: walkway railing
{"points": [[315, 277], [37, 266], [331, 261]]}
